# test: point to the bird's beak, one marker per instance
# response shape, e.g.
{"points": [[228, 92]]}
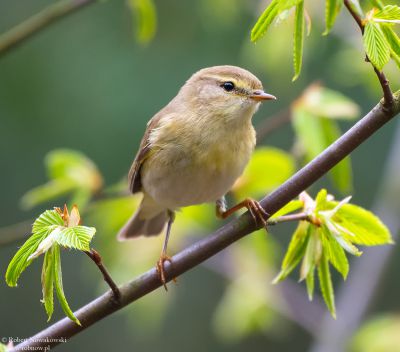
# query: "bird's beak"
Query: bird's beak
{"points": [[260, 95]]}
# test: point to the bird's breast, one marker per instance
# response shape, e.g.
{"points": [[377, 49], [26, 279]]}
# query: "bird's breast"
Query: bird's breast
{"points": [[187, 172]]}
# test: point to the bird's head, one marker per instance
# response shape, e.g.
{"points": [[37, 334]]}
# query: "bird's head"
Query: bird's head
{"points": [[228, 91]]}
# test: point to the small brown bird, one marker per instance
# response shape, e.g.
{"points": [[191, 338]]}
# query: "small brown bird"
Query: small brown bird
{"points": [[194, 149]]}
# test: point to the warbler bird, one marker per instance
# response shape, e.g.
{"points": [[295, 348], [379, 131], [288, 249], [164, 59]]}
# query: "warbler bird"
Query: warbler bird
{"points": [[193, 151]]}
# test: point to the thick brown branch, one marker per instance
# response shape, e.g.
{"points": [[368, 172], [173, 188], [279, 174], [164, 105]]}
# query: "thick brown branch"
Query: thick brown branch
{"points": [[223, 237], [37, 22], [384, 82]]}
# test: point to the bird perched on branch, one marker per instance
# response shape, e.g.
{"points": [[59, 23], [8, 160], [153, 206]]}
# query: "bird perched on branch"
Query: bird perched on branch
{"points": [[194, 149]]}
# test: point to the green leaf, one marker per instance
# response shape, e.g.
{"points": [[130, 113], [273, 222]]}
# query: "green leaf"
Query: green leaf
{"points": [[298, 39], [395, 58], [268, 168], [311, 254], [334, 252], [47, 221], [390, 13], [265, 20], [326, 286], [321, 200], [394, 42], [377, 3], [47, 283], [295, 251], [3, 347], [367, 228], [310, 283], [290, 207], [346, 244], [59, 285], [43, 226], [145, 15], [20, 260], [332, 9], [77, 237], [288, 4], [376, 45]]}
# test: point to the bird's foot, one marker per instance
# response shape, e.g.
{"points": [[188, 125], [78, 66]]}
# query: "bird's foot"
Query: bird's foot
{"points": [[257, 212], [161, 271]]}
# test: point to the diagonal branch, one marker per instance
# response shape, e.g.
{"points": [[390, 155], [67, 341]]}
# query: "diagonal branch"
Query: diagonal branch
{"points": [[220, 239], [39, 21]]}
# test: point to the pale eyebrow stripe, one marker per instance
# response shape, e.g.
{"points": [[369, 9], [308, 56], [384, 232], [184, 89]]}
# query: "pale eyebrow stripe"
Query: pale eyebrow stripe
{"points": [[223, 78], [220, 78]]}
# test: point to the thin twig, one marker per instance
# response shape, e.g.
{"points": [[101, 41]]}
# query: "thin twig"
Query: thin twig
{"points": [[39, 21], [220, 239], [291, 217], [95, 256], [387, 92], [354, 15], [384, 82]]}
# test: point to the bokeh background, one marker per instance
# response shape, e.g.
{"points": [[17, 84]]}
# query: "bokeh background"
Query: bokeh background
{"points": [[86, 84]]}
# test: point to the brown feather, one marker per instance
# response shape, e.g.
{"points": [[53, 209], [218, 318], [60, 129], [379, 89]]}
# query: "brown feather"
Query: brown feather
{"points": [[134, 177]]}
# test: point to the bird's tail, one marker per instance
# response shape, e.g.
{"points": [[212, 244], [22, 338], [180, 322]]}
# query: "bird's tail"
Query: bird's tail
{"points": [[149, 220]]}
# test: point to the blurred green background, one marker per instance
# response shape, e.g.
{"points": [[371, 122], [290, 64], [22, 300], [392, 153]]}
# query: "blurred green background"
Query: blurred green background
{"points": [[84, 83]]}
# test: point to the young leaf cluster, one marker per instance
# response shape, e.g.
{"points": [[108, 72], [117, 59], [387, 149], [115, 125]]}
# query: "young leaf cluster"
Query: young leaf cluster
{"points": [[381, 42], [51, 230], [332, 229]]}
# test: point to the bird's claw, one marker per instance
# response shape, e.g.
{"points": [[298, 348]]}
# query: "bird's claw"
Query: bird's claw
{"points": [[161, 271], [257, 212]]}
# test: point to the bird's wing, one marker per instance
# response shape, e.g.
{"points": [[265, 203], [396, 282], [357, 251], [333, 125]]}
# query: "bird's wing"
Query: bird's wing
{"points": [[135, 182]]}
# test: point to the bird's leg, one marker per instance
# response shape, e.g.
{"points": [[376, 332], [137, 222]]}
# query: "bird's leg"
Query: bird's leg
{"points": [[164, 257], [256, 211]]}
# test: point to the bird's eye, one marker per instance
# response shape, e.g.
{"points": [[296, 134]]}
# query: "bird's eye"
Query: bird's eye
{"points": [[228, 86]]}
